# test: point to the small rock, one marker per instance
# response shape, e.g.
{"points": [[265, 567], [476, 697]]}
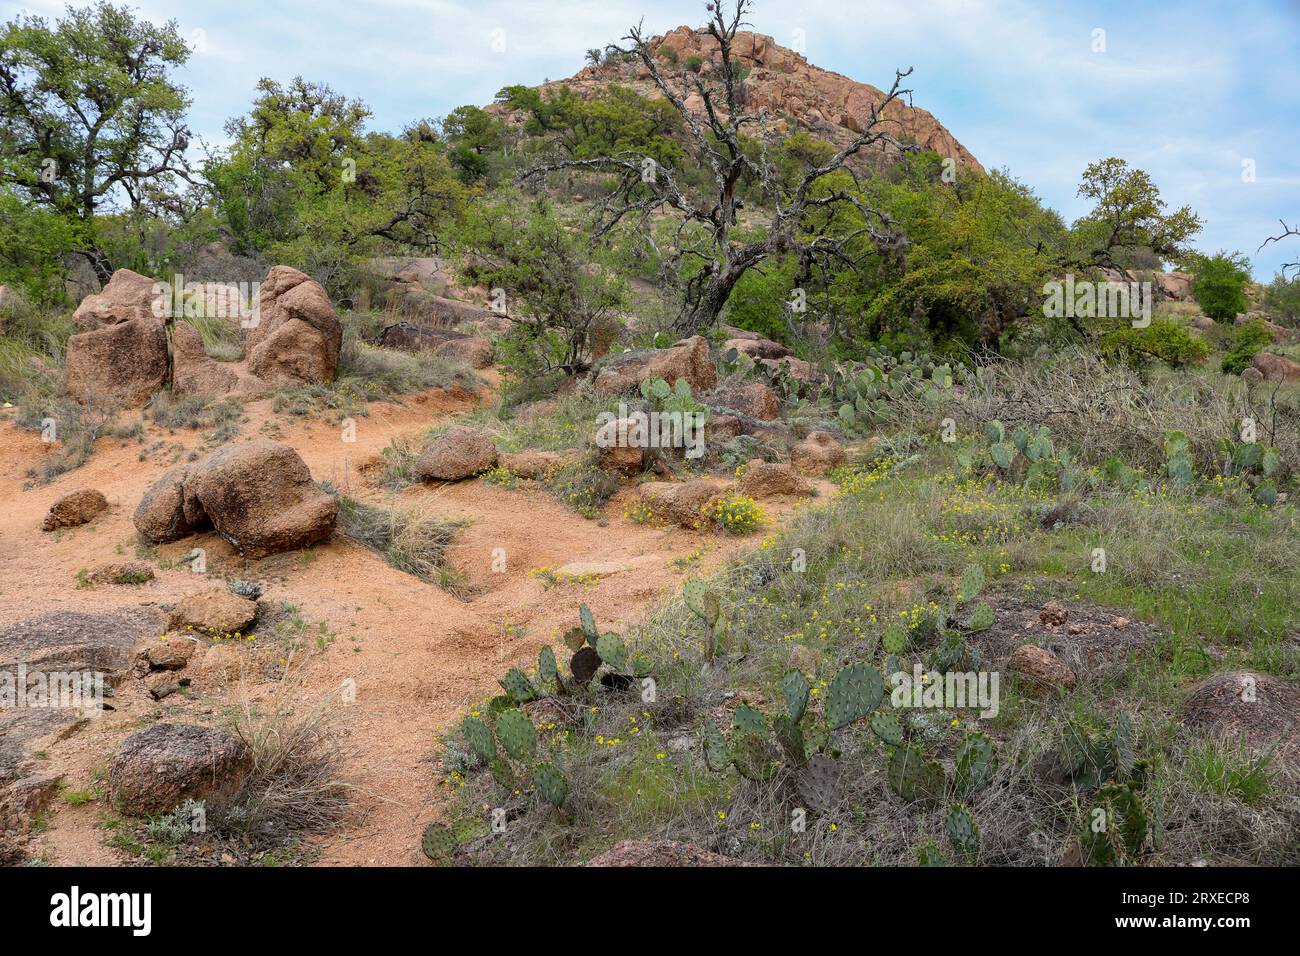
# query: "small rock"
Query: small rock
{"points": [[1053, 614], [460, 453], [1041, 669], [817, 454], [159, 768], [75, 508], [764, 480], [215, 611]]}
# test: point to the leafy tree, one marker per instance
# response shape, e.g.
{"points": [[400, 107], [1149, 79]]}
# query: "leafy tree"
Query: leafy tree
{"points": [[89, 115], [557, 301], [1249, 339], [35, 241], [1129, 215], [473, 134], [1282, 298], [305, 182], [1219, 285], [1162, 340]]}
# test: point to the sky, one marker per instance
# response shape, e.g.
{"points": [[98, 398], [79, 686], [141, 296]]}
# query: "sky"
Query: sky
{"points": [[1203, 96]]}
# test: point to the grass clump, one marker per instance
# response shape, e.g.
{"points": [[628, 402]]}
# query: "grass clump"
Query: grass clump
{"points": [[409, 539]]}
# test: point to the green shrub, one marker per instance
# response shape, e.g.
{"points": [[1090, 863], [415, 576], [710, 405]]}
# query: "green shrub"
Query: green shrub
{"points": [[1162, 340], [1250, 338], [1220, 285]]}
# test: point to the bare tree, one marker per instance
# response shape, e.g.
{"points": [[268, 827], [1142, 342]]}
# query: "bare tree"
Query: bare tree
{"points": [[1286, 232], [704, 224]]}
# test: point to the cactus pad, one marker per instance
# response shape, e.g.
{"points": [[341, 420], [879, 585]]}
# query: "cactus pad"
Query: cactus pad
{"points": [[795, 688], [518, 686], [977, 762], [819, 783], [914, 778], [611, 650], [517, 735], [752, 755], [479, 738], [546, 668], [854, 692], [887, 728], [716, 755], [584, 665], [438, 843], [963, 833], [894, 639], [550, 783], [983, 617], [588, 624], [748, 719]]}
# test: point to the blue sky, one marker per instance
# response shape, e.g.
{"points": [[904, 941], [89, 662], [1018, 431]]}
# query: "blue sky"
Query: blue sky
{"points": [[1187, 90]]}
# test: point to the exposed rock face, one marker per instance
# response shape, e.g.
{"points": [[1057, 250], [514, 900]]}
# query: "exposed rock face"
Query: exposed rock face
{"points": [[1276, 368], [817, 454], [297, 338], [681, 502], [214, 611], [796, 368], [259, 496], [159, 768], [75, 508], [460, 453], [118, 357], [757, 348], [660, 853], [1246, 708], [1041, 669], [764, 480], [795, 94], [535, 465], [195, 373], [617, 455], [474, 350], [688, 359], [1203, 322], [755, 400]]}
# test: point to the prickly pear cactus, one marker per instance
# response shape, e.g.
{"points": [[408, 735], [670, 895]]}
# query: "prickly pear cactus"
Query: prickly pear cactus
{"points": [[962, 833], [518, 686], [517, 735], [438, 843], [795, 688], [546, 668], [854, 692], [894, 639], [584, 665], [503, 773], [789, 735], [916, 779], [702, 601], [575, 638], [550, 784], [749, 719], [479, 738], [1115, 829], [949, 652], [588, 624], [1122, 745], [752, 755], [972, 582], [977, 762], [611, 650], [887, 728], [819, 783], [716, 755], [982, 618]]}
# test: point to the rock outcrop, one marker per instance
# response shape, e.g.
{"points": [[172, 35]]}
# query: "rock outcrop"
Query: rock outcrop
{"points": [[763, 479], [684, 503], [474, 350], [817, 454], [755, 400], [215, 611], [688, 359], [259, 496], [118, 357], [795, 94], [1276, 368], [297, 337]]}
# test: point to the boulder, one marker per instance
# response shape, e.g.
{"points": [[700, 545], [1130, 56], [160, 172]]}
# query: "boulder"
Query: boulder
{"points": [[297, 336], [723, 428], [171, 653], [75, 508], [757, 347], [762, 479], [535, 465], [118, 357], [682, 502], [216, 611], [688, 359], [1040, 669], [193, 372], [1276, 368], [259, 496], [660, 853], [473, 350], [755, 400], [159, 768], [619, 449], [459, 453], [795, 368], [1203, 322], [1245, 707], [817, 454]]}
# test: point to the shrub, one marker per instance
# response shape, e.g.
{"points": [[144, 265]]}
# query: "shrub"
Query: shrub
{"points": [[1165, 341], [1250, 338], [1220, 285], [408, 539], [736, 514]]}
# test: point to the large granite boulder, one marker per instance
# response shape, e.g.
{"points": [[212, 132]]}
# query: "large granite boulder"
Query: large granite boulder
{"points": [[297, 335]]}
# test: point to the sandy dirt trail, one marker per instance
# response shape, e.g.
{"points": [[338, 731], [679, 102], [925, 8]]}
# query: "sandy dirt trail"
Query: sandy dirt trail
{"points": [[417, 654]]}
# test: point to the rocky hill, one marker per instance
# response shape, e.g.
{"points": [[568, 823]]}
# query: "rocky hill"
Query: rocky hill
{"points": [[795, 94]]}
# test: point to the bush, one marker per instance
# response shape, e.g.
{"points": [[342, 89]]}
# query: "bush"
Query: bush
{"points": [[1165, 341], [1250, 338], [1282, 299], [1220, 285]]}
